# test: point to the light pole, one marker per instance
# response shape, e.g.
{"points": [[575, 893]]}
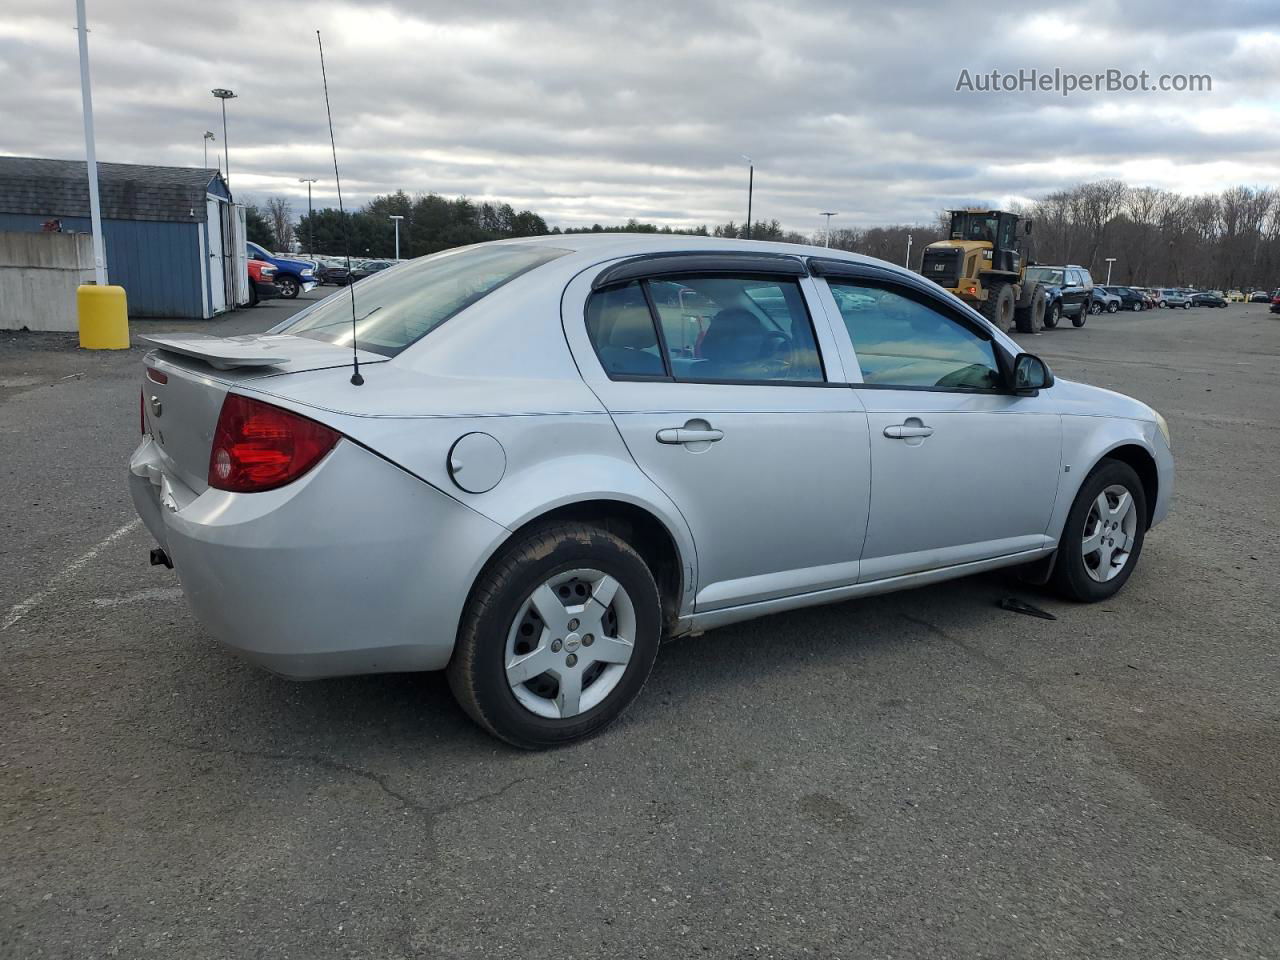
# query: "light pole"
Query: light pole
{"points": [[751, 181], [1110, 261], [208, 135], [224, 95], [907, 263], [828, 214], [311, 227], [90, 154], [397, 218]]}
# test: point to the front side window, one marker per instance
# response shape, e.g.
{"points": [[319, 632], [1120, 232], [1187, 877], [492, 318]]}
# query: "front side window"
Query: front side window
{"points": [[904, 342], [748, 330], [394, 308]]}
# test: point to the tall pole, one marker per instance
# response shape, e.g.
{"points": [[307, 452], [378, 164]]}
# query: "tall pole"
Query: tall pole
{"points": [[311, 226], [828, 214], [90, 154], [751, 182], [907, 263], [224, 95], [397, 218], [1110, 261]]}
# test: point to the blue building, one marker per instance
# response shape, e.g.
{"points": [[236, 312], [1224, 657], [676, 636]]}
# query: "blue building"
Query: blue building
{"points": [[173, 236]]}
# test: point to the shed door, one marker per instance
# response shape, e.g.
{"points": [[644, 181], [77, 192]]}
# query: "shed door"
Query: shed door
{"points": [[217, 259]]}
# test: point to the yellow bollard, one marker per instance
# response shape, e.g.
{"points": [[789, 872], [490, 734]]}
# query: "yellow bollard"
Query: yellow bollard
{"points": [[104, 317]]}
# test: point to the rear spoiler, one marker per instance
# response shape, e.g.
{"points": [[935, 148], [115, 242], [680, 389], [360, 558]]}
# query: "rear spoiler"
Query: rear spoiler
{"points": [[221, 353]]}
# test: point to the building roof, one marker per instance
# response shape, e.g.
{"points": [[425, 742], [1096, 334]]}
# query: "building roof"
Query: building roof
{"points": [[126, 191]]}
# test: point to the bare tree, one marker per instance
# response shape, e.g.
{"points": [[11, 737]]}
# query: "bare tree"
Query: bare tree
{"points": [[280, 216]]}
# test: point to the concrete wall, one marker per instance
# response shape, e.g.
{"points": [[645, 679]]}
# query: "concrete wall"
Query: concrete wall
{"points": [[39, 274]]}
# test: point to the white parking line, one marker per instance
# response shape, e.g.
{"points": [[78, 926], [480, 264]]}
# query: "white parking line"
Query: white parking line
{"points": [[150, 593], [23, 607]]}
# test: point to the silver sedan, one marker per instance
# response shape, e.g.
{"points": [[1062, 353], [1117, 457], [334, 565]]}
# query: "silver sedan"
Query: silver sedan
{"points": [[527, 462]]}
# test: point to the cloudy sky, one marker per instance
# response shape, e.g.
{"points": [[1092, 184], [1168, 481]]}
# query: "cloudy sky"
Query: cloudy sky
{"points": [[600, 111]]}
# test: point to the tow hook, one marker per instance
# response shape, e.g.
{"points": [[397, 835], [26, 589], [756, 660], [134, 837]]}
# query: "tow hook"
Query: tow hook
{"points": [[160, 559]]}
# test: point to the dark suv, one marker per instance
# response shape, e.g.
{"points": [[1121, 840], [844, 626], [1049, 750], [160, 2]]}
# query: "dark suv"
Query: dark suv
{"points": [[1068, 290]]}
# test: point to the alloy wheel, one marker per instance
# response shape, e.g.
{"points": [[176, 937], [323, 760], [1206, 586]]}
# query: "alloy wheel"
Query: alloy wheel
{"points": [[1110, 530], [570, 643]]}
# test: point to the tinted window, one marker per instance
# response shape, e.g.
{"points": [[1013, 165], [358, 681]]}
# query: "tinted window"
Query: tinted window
{"points": [[903, 342], [621, 330], [1047, 275], [713, 328], [732, 328], [397, 307]]}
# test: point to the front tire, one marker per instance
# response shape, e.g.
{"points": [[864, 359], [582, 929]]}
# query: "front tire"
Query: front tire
{"points": [[1103, 536], [1052, 316], [558, 637], [289, 287], [1113, 307]]}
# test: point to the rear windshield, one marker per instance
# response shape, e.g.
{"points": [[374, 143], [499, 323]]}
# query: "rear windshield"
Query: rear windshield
{"points": [[405, 302]]}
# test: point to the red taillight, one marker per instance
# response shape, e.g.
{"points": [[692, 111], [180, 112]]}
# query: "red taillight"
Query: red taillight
{"points": [[260, 447], [157, 376]]}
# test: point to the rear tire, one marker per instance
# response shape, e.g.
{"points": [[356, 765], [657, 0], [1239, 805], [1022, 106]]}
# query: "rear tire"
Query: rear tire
{"points": [[1096, 559], [1030, 319], [1113, 307], [504, 625], [1079, 319], [999, 306]]}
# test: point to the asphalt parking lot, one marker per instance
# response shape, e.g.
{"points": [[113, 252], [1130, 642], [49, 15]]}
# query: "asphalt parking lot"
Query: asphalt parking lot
{"points": [[917, 775]]}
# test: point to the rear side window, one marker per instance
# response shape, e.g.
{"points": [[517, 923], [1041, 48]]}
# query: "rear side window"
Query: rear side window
{"points": [[713, 329], [395, 307], [903, 342]]}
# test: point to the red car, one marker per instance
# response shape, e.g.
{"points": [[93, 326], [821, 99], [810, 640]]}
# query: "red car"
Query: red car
{"points": [[262, 286]]}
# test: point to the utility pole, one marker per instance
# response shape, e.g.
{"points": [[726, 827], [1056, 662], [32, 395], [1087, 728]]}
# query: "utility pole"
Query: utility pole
{"points": [[311, 226], [90, 154], [397, 218], [907, 263], [751, 180], [828, 214]]}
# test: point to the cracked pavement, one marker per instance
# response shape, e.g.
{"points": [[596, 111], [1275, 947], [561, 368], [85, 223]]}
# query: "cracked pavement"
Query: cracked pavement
{"points": [[916, 775]]}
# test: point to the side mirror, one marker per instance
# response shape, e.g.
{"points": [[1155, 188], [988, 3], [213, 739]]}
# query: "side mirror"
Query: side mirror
{"points": [[1030, 374]]}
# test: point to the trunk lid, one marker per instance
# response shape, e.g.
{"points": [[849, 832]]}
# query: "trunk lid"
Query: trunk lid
{"points": [[188, 376]]}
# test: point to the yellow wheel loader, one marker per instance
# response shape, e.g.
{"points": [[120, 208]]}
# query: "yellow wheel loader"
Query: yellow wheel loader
{"points": [[984, 263]]}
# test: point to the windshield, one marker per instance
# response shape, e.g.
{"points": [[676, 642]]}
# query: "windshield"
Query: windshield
{"points": [[405, 302], [1045, 275]]}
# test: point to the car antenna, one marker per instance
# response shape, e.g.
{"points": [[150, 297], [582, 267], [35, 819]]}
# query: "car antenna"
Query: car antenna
{"points": [[356, 379]]}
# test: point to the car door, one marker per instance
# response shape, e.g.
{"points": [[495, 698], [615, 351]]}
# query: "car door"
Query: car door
{"points": [[1073, 292], [962, 469], [725, 385]]}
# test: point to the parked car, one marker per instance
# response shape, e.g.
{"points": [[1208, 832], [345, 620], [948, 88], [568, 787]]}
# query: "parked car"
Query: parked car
{"points": [[1259, 296], [1103, 302], [1174, 297], [333, 271], [1068, 291], [1154, 296], [1275, 302], [527, 489], [1235, 296], [1130, 299], [261, 282], [367, 268], [1212, 298], [293, 276]]}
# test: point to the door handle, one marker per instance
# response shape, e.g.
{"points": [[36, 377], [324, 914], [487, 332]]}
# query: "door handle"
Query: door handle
{"points": [[908, 430], [688, 435]]}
